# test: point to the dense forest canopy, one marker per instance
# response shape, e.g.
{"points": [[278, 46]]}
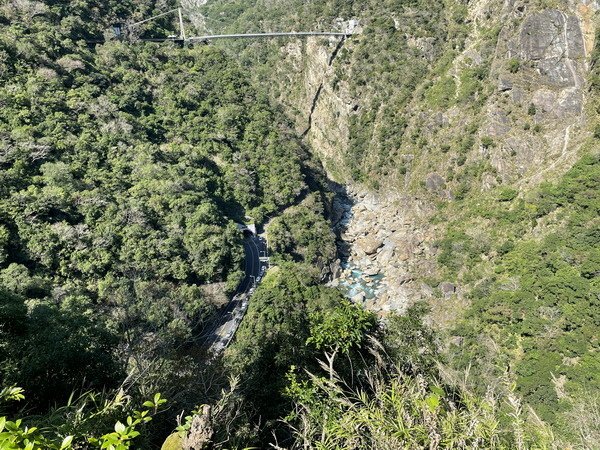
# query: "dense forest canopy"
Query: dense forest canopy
{"points": [[123, 169], [541, 300], [125, 166]]}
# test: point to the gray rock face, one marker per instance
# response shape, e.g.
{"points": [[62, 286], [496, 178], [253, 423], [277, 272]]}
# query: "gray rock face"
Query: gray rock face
{"points": [[499, 123], [201, 431], [448, 289], [549, 104], [358, 298], [553, 41], [504, 84], [434, 182]]}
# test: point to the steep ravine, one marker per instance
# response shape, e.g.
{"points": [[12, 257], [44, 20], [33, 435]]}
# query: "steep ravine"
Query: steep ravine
{"points": [[381, 249], [507, 109], [534, 117], [312, 110]]}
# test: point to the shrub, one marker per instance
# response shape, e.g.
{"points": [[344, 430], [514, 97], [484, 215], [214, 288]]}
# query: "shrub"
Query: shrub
{"points": [[487, 142], [507, 194], [513, 65]]}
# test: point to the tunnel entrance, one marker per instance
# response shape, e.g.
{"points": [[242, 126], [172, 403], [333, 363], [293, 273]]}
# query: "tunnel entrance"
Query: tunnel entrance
{"points": [[249, 230]]}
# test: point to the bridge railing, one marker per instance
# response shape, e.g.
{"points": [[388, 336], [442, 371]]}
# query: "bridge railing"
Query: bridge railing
{"points": [[268, 35]]}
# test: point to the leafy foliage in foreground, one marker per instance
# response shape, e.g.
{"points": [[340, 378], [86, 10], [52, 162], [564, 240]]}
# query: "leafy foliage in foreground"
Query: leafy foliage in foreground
{"points": [[279, 332], [16, 435], [394, 410], [355, 385], [399, 398]]}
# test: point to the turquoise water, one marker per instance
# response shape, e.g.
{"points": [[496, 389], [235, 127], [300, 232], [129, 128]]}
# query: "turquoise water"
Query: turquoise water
{"points": [[360, 283]]}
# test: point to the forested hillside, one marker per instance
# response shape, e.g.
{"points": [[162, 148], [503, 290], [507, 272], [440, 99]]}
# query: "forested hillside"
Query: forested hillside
{"points": [[124, 167], [445, 157], [467, 131]]}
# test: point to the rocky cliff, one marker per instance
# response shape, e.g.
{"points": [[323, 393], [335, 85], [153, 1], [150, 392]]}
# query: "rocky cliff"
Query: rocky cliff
{"points": [[504, 101], [517, 88], [420, 110]]}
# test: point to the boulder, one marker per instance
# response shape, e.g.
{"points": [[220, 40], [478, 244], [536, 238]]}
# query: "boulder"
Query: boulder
{"points": [[358, 298], [336, 269], [407, 278], [404, 252], [434, 182], [504, 85], [385, 256], [389, 243], [173, 442], [201, 431], [369, 245], [426, 290], [371, 271], [448, 289]]}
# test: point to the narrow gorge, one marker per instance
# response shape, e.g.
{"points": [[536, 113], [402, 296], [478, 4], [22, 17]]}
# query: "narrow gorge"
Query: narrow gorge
{"points": [[532, 101], [299, 224]]}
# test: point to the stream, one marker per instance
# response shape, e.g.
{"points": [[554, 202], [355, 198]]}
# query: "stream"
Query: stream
{"points": [[358, 285]]}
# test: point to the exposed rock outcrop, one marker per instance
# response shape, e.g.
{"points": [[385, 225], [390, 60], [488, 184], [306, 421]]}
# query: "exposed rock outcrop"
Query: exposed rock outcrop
{"points": [[387, 239], [553, 41], [201, 431]]}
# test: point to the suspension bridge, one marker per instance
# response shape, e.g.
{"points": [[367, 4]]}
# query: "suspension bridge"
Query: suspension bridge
{"points": [[266, 35], [121, 30]]}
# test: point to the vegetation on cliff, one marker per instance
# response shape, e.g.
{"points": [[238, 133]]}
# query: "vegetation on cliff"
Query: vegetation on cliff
{"points": [[124, 167], [535, 294]]}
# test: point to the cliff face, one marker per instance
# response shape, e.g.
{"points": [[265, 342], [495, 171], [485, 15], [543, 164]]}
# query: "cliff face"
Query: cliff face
{"points": [[503, 101], [320, 104], [537, 114], [424, 92], [512, 99]]}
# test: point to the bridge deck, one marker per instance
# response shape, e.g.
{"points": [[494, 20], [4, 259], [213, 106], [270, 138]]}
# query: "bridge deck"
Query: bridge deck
{"points": [[266, 35], [235, 36]]}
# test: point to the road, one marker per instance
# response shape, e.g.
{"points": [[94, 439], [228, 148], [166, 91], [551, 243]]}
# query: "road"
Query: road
{"points": [[221, 332]]}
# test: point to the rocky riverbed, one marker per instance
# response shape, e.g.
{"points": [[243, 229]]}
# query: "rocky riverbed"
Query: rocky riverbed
{"points": [[383, 244]]}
